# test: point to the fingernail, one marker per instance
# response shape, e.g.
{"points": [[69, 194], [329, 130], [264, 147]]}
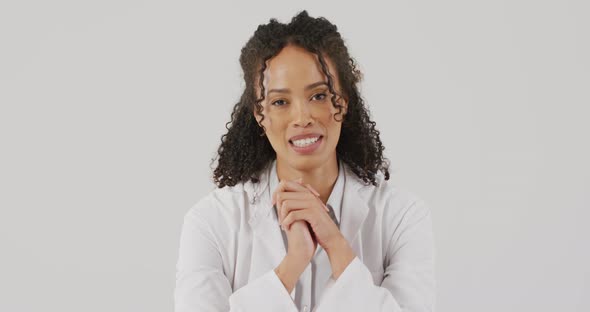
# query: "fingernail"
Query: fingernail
{"points": [[313, 191]]}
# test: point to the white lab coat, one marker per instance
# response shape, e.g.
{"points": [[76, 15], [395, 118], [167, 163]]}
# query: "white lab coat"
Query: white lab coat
{"points": [[231, 242]]}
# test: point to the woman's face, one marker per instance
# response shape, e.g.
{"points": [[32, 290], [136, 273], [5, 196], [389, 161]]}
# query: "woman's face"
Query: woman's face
{"points": [[297, 103]]}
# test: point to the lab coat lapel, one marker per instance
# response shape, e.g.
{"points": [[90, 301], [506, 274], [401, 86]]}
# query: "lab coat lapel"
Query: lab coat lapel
{"points": [[354, 210], [268, 247]]}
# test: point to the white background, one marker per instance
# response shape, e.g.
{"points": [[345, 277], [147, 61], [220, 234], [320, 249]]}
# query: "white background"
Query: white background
{"points": [[111, 112]]}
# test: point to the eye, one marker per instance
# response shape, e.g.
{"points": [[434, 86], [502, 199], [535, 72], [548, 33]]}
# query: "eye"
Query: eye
{"points": [[321, 96], [275, 103]]}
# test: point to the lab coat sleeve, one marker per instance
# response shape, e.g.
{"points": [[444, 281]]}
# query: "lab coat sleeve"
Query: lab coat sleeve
{"points": [[201, 284], [408, 283]]}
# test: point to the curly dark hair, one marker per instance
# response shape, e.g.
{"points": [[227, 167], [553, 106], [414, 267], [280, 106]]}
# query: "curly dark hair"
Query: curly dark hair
{"points": [[244, 152]]}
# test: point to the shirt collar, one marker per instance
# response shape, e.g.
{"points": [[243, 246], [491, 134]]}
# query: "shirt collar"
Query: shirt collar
{"points": [[334, 200]]}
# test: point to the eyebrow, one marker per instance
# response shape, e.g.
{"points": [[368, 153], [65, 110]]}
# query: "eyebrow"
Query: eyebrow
{"points": [[285, 90]]}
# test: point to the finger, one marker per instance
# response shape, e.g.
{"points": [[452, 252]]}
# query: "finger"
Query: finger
{"points": [[290, 186], [293, 186], [291, 205], [292, 217], [285, 186], [308, 186], [325, 207], [300, 215], [282, 196], [311, 189], [318, 197]]}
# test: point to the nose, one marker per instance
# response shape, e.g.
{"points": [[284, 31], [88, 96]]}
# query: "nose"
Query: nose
{"points": [[303, 116]]}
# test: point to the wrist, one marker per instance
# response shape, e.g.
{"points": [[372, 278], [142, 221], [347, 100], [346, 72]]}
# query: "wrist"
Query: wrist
{"points": [[336, 244], [340, 255], [288, 272]]}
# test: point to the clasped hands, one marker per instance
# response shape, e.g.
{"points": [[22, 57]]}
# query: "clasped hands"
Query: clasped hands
{"points": [[305, 219], [296, 201]]}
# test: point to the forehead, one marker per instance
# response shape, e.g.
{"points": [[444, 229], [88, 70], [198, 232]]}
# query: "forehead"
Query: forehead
{"points": [[294, 68]]}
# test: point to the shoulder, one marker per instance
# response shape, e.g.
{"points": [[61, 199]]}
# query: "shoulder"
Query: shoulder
{"points": [[225, 205], [230, 204], [394, 201]]}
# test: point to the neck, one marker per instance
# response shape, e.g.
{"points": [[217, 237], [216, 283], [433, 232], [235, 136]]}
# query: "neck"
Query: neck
{"points": [[321, 178]]}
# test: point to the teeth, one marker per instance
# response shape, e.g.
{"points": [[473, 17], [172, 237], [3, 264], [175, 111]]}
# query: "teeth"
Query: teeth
{"points": [[305, 142]]}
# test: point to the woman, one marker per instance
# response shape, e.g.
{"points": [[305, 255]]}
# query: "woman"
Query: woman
{"points": [[304, 217]]}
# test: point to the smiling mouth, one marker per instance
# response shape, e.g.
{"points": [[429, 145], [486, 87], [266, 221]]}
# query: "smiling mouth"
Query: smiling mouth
{"points": [[319, 138]]}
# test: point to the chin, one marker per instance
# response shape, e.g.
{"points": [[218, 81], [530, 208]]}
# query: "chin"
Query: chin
{"points": [[305, 163]]}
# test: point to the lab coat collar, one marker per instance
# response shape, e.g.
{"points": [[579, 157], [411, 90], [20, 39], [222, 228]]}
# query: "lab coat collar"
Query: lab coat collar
{"points": [[353, 212]]}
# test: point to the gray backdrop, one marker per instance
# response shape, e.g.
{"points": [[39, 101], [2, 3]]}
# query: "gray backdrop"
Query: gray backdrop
{"points": [[112, 110]]}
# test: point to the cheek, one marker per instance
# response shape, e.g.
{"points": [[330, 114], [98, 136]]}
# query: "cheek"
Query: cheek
{"points": [[273, 129], [333, 127], [268, 119], [272, 123]]}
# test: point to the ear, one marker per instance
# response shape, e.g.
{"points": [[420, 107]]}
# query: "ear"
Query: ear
{"points": [[344, 106], [257, 117]]}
